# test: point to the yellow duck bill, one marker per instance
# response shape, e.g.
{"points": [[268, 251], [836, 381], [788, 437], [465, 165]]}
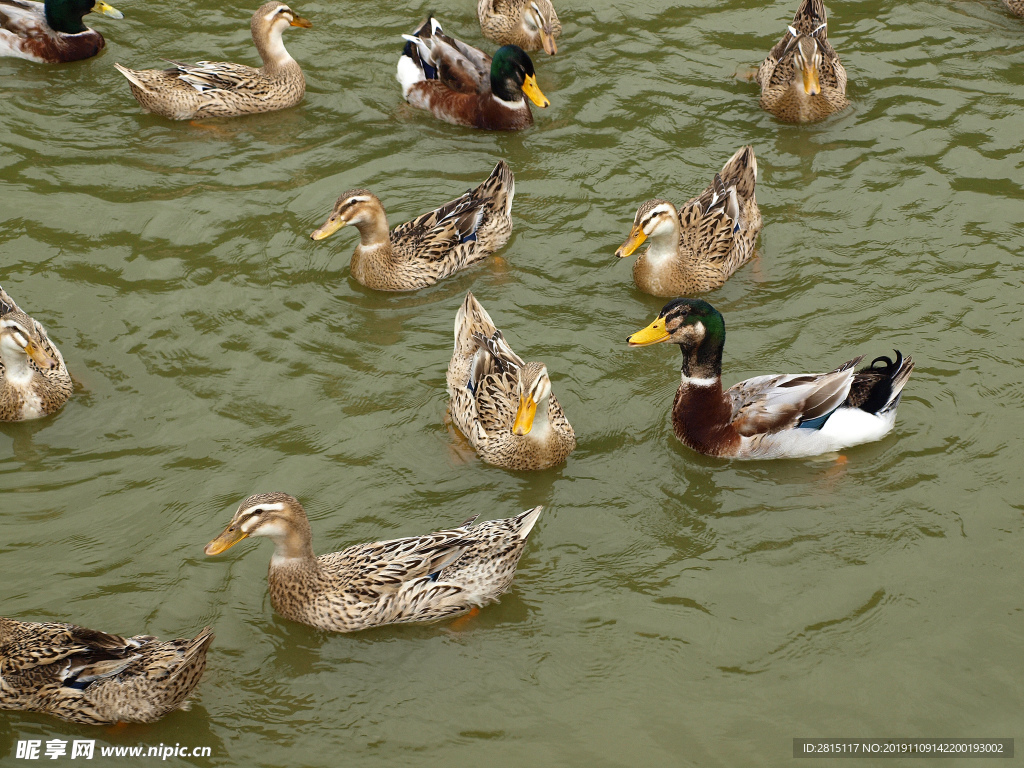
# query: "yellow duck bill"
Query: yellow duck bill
{"points": [[636, 239], [654, 333], [225, 541], [107, 10], [532, 90], [524, 416], [328, 229]]}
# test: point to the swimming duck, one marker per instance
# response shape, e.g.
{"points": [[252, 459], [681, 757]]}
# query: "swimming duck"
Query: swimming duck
{"points": [[463, 85], [1014, 6], [421, 578], [530, 24], [52, 32], [221, 89], [34, 381], [802, 80], [697, 249], [502, 405], [775, 416], [432, 246], [91, 677]]}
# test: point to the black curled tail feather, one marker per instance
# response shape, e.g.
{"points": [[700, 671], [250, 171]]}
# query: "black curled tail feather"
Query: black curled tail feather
{"points": [[876, 387]]}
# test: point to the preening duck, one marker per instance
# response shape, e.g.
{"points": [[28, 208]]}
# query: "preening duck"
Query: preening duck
{"points": [[432, 246], [420, 578], [775, 416], [802, 79], [222, 89], [463, 85], [91, 677], [698, 248], [34, 381], [530, 24], [52, 32], [503, 406]]}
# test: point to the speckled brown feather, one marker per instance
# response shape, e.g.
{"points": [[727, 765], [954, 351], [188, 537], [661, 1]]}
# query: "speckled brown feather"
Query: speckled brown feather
{"points": [[222, 89], [433, 246], [779, 77], [92, 677], [49, 389], [1015, 6], [415, 579], [485, 411], [710, 249], [502, 22]]}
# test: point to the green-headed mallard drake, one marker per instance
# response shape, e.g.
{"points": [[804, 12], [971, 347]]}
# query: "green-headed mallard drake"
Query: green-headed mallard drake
{"points": [[52, 32], [420, 578], [775, 416], [1015, 6], [802, 80], [530, 24], [463, 85], [92, 677], [698, 248], [432, 246], [220, 89], [502, 405], [34, 381]]}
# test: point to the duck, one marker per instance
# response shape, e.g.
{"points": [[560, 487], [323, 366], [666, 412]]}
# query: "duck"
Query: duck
{"points": [[774, 416], [34, 381], [221, 89], [431, 247], [530, 24], [415, 579], [463, 85], [1015, 6], [503, 406], [52, 32], [802, 79], [95, 678], [697, 249]]}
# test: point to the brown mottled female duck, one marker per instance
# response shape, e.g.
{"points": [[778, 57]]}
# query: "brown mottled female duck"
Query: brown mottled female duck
{"points": [[530, 24], [432, 246], [774, 416], [802, 80], [502, 405], [697, 249], [86, 676], [221, 89], [34, 381], [462, 85], [421, 578], [52, 32]]}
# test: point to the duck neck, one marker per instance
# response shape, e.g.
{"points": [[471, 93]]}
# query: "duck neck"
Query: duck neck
{"points": [[271, 49], [62, 18], [664, 245], [703, 364], [295, 545]]}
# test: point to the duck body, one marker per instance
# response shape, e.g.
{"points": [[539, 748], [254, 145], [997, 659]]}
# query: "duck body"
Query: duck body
{"points": [[34, 381], [420, 578], [802, 79], [86, 676], [50, 33], [503, 405], [776, 416], [222, 89], [463, 85], [530, 24], [698, 248], [431, 247], [1015, 6]]}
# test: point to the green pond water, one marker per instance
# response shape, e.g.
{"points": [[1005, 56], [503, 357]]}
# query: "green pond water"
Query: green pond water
{"points": [[671, 609]]}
